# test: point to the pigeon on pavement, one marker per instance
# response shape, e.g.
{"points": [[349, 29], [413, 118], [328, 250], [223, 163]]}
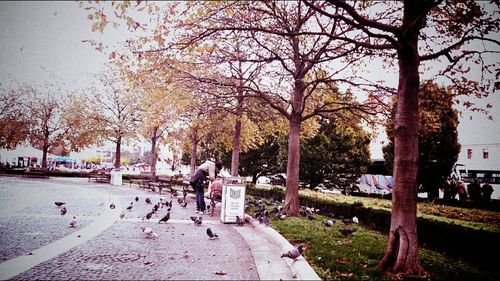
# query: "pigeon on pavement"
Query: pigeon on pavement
{"points": [[73, 222], [136, 199], [239, 221], [112, 206], [198, 221], [148, 201], [148, 216], [129, 208], [63, 211], [184, 204], [211, 234], [294, 253], [59, 204], [149, 232], [165, 218], [122, 215]]}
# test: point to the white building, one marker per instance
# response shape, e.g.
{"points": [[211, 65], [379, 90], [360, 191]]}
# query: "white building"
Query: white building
{"points": [[480, 161]]}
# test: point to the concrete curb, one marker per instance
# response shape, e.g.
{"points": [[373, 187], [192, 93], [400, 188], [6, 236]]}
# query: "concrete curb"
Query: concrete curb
{"points": [[300, 267]]}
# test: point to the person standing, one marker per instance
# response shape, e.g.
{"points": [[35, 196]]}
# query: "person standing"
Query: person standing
{"points": [[474, 190], [486, 191], [206, 170], [462, 193]]}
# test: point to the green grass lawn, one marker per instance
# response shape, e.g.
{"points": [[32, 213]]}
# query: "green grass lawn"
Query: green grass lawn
{"points": [[337, 257]]}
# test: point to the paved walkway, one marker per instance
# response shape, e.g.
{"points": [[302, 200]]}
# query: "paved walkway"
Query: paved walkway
{"points": [[38, 244]]}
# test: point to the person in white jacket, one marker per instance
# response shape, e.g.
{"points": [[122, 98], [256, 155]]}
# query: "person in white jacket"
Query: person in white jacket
{"points": [[208, 169]]}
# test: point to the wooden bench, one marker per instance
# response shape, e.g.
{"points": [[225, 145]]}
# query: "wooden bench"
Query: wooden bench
{"points": [[160, 183], [36, 173], [143, 180], [100, 176]]}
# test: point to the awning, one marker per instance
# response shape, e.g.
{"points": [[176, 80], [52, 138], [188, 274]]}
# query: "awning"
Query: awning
{"points": [[64, 159]]}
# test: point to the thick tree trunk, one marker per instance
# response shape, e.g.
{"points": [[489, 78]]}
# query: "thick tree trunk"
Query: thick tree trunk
{"points": [[295, 122], [118, 152], [235, 157], [401, 257], [292, 168], [154, 153]]}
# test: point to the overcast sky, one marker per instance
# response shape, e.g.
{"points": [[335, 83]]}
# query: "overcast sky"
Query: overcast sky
{"points": [[42, 41]]}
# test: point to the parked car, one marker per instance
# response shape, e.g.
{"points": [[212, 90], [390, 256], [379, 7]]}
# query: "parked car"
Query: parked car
{"points": [[263, 180], [323, 189], [278, 179]]}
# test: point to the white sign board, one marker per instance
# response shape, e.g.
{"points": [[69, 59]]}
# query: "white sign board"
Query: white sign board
{"points": [[233, 202]]}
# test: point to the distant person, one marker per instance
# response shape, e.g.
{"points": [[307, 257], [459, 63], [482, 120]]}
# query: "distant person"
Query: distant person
{"points": [[446, 188], [474, 190], [462, 193], [486, 191], [453, 188], [208, 169]]}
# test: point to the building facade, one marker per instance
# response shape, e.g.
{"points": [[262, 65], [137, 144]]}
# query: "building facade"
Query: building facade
{"points": [[481, 161]]}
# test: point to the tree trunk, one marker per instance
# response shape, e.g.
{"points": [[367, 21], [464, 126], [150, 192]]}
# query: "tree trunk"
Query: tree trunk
{"points": [[401, 257], [194, 151], [235, 157], [292, 168], [118, 152], [45, 150], [154, 154]]}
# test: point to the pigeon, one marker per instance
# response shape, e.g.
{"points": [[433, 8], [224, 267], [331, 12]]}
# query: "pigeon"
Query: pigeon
{"points": [[328, 223], [198, 221], [148, 215], [347, 221], [129, 208], [136, 199], [346, 232], [165, 218], [59, 204], [63, 211], [179, 200], [265, 221], [156, 207], [122, 215], [149, 232], [112, 206], [355, 219], [73, 222], [148, 201], [184, 204], [294, 253], [193, 218], [239, 221], [310, 217], [211, 234]]}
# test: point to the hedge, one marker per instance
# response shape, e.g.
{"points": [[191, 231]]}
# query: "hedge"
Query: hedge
{"points": [[456, 240]]}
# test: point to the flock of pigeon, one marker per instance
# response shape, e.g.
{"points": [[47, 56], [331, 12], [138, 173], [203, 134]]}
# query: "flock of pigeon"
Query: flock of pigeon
{"points": [[262, 215], [275, 208]]}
